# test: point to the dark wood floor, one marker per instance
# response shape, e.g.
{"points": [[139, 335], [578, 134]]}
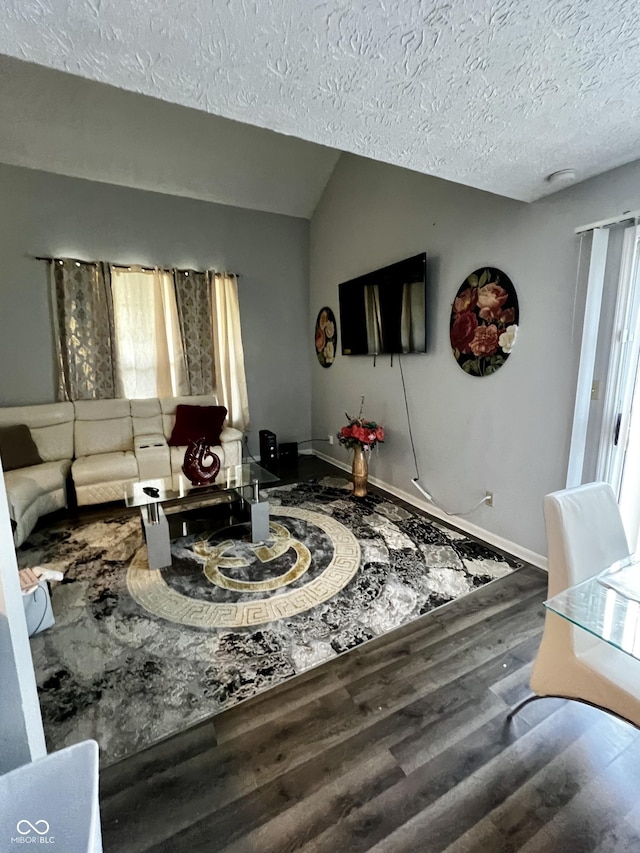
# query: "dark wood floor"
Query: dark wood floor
{"points": [[400, 745], [306, 467]]}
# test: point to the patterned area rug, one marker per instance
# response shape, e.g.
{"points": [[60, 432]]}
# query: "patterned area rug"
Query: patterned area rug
{"points": [[137, 655]]}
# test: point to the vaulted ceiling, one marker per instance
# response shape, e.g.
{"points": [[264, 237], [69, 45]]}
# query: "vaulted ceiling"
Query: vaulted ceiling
{"points": [[71, 126], [496, 94]]}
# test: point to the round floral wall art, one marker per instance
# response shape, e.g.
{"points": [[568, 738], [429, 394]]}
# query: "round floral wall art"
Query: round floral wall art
{"points": [[326, 337], [484, 321]]}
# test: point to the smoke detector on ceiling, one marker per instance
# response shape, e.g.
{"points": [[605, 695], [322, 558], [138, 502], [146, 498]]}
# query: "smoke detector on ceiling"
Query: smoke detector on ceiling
{"points": [[561, 178]]}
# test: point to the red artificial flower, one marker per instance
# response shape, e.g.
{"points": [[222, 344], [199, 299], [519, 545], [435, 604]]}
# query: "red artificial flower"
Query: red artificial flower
{"points": [[360, 432]]}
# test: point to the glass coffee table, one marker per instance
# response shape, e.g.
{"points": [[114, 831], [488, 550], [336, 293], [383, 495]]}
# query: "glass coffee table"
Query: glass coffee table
{"points": [[157, 498]]}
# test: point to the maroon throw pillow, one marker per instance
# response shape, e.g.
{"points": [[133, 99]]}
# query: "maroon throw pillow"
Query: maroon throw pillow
{"points": [[194, 422]]}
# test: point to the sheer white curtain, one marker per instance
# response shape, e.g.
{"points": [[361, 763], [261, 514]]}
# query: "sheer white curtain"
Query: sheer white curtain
{"points": [[229, 353], [148, 343]]}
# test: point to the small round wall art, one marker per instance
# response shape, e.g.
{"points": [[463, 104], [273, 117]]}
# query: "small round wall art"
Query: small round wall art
{"points": [[484, 321], [326, 337]]}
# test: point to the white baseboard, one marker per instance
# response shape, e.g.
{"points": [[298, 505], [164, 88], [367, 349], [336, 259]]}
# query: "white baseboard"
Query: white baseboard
{"points": [[455, 520]]}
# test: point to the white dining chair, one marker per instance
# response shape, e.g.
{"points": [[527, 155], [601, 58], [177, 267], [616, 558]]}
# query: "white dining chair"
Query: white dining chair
{"points": [[53, 800], [585, 535]]}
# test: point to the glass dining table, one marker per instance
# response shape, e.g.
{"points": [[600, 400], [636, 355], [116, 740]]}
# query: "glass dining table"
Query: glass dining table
{"points": [[606, 605]]}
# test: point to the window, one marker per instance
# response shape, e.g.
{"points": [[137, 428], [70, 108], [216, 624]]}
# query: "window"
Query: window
{"points": [[134, 332], [149, 355]]}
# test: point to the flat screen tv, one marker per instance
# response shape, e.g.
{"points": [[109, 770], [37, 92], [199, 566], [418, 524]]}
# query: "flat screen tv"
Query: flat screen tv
{"points": [[384, 311]]}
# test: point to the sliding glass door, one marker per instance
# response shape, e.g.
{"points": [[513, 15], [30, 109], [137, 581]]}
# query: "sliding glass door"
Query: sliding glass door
{"points": [[619, 446]]}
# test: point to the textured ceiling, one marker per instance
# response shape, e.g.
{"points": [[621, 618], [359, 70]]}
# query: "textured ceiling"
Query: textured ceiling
{"points": [[495, 94]]}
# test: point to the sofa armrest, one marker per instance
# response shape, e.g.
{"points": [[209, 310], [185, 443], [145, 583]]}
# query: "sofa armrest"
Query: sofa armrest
{"points": [[230, 434], [142, 442], [152, 456], [231, 443]]}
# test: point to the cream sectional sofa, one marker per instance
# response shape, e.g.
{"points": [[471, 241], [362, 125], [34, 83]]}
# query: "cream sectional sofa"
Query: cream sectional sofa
{"points": [[40, 489], [104, 445]]}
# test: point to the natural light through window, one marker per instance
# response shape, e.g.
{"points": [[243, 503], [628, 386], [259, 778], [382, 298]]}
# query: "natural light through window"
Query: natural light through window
{"points": [[147, 336]]}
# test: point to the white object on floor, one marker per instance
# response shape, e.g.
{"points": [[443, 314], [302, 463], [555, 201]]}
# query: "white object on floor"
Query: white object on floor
{"points": [[37, 609], [53, 800], [47, 574]]}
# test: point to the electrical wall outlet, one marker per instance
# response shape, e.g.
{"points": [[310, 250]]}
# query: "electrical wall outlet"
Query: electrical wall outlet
{"points": [[489, 498], [330, 438]]}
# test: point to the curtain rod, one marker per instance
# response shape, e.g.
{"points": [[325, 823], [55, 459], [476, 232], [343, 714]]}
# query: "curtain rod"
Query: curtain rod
{"points": [[627, 216], [127, 266]]}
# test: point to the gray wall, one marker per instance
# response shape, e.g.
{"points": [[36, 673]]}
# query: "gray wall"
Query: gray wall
{"points": [[510, 432], [45, 214], [66, 124]]}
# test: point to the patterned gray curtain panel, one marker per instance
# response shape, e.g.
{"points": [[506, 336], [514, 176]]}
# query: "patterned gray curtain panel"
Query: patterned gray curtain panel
{"points": [[83, 314], [193, 295]]}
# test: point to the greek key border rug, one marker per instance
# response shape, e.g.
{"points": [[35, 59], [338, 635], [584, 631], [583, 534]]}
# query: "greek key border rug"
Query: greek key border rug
{"points": [[138, 655]]}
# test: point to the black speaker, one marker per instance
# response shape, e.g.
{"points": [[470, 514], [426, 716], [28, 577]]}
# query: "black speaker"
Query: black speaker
{"points": [[288, 452], [268, 450]]}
